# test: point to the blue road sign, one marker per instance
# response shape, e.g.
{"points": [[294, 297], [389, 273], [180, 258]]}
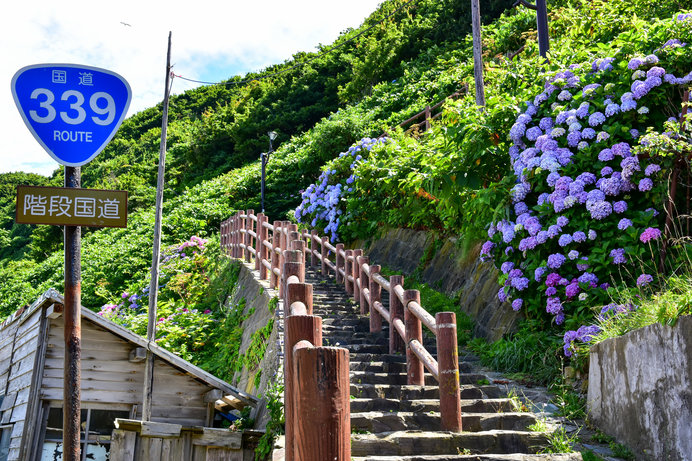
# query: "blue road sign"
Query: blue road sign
{"points": [[73, 111]]}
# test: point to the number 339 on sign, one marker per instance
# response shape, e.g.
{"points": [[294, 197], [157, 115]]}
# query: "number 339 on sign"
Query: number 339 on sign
{"points": [[73, 111]]}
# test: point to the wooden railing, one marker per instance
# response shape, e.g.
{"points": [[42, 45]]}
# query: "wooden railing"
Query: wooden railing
{"points": [[280, 253]]}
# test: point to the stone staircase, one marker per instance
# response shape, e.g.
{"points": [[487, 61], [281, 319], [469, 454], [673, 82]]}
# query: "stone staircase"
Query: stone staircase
{"points": [[392, 421]]}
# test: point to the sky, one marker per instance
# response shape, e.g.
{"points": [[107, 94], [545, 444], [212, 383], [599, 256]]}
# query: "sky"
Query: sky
{"points": [[211, 41]]}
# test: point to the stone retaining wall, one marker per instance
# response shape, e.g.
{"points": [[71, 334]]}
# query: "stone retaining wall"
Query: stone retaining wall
{"points": [[640, 391], [443, 266]]}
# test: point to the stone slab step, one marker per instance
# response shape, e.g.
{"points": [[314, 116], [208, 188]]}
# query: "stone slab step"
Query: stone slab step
{"points": [[429, 401], [369, 377], [377, 421], [408, 443], [405, 392], [498, 457]]}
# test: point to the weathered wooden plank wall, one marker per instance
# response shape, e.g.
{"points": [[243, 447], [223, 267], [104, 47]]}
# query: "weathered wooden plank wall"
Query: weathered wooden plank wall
{"points": [[18, 345], [110, 379]]}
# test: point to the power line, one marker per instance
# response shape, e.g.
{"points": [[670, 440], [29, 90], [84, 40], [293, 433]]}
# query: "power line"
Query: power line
{"points": [[295, 66]]}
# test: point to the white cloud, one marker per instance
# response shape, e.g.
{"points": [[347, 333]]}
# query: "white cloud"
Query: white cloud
{"points": [[211, 41]]}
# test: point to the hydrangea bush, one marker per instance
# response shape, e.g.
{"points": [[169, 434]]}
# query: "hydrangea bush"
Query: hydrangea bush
{"points": [[183, 325], [586, 204], [322, 206]]}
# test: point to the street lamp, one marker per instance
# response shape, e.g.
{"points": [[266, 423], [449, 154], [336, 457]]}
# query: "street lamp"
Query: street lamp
{"points": [[264, 157]]}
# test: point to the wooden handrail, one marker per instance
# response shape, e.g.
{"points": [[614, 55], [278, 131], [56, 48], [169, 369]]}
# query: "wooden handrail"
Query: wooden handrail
{"points": [[364, 282]]}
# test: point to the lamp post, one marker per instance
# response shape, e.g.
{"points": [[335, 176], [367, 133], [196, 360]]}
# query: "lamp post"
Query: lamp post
{"points": [[264, 157]]}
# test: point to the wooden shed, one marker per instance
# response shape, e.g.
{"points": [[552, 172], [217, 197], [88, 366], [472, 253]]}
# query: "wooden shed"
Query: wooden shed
{"points": [[31, 383]]}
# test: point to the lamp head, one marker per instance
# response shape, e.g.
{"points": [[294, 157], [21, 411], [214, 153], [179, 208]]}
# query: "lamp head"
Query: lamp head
{"points": [[272, 135]]}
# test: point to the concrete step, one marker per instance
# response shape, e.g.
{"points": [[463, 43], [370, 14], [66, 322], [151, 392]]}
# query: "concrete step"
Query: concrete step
{"points": [[377, 421], [429, 401], [497, 457], [369, 377], [409, 443]]}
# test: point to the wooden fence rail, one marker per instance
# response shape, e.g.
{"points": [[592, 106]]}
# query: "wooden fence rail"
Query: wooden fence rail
{"points": [[280, 252], [316, 378]]}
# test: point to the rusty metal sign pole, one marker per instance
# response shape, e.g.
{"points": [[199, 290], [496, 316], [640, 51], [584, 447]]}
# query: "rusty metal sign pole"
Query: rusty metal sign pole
{"points": [[154, 283], [73, 331]]}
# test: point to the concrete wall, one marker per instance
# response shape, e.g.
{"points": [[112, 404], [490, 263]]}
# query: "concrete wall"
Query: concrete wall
{"points": [[443, 266], [640, 390]]}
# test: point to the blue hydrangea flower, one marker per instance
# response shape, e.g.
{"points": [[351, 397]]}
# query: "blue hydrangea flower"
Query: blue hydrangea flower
{"points": [[556, 260], [597, 118], [564, 240]]}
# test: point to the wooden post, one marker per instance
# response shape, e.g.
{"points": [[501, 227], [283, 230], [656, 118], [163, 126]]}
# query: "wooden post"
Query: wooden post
{"points": [[261, 248], [324, 252], [249, 223], [427, 118], [348, 271], [313, 248], [364, 284], [299, 292], [448, 368], [283, 242], [149, 367], [414, 330], [298, 328], [238, 237], [356, 274], [339, 262], [396, 311], [293, 265], [375, 296], [276, 245], [323, 412], [258, 241], [477, 52]]}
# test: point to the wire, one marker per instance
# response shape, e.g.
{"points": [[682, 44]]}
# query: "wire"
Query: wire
{"points": [[283, 71]]}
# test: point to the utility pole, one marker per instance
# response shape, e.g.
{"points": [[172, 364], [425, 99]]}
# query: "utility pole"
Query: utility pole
{"points": [[541, 24], [154, 283], [477, 52]]}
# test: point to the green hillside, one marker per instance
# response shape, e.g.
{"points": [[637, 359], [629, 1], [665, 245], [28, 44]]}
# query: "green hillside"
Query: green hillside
{"points": [[479, 175]]}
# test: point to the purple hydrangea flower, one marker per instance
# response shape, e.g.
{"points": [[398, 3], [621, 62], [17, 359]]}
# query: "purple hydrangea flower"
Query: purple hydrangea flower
{"points": [[579, 237], [564, 240], [592, 234], [539, 272], [516, 304], [646, 184], [620, 207], [486, 249], [606, 171], [618, 255], [553, 279], [572, 290], [502, 295], [650, 233], [588, 133], [588, 277], [506, 267], [644, 280], [605, 155], [572, 255], [651, 169], [550, 291], [556, 260], [600, 210], [624, 224], [533, 133], [520, 283], [554, 306]]}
